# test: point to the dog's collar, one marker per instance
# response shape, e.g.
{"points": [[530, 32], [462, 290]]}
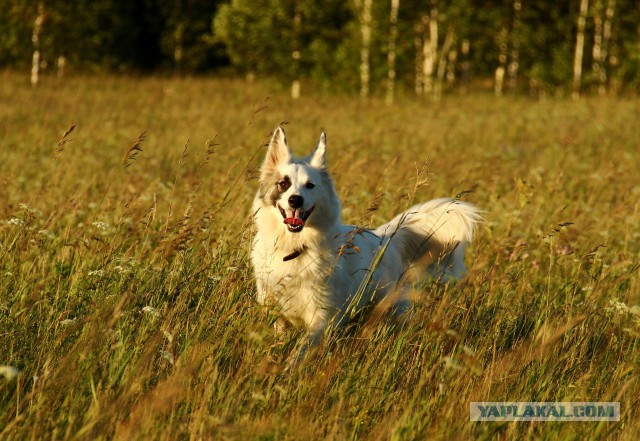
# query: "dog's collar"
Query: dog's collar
{"points": [[295, 254]]}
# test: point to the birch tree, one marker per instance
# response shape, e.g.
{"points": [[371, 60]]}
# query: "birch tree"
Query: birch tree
{"points": [[430, 48], [508, 51], [514, 62], [417, 43], [601, 39], [606, 39], [451, 66], [35, 39], [596, 51], [295, 54], [579, 52], [502, 60], [449, 42], [363, 8], [391, 51], [465, 65], [178, 49]]}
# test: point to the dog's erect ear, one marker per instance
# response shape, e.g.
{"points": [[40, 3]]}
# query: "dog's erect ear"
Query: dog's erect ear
{"points": [[319, 155], [278, 151]]}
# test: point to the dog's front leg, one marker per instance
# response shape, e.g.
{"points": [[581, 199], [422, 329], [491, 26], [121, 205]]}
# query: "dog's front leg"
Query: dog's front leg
{"points": [[316, 333], [310, 341]]}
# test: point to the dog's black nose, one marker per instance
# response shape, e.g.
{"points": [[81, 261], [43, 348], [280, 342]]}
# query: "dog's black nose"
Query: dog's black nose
{"points": [[295, 201]]}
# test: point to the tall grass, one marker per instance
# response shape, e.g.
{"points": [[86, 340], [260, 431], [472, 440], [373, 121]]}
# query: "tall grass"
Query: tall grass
{"points": [[126, 294]]}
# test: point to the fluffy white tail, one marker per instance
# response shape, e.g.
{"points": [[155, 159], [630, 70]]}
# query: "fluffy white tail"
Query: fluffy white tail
{"points": [[434, 234]]}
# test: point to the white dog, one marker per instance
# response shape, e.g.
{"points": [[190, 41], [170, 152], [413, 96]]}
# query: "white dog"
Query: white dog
{"points": [[318, 271]]}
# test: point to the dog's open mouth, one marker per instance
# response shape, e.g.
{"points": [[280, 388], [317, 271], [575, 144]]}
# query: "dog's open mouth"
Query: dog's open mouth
{"points": [[295, 219]]}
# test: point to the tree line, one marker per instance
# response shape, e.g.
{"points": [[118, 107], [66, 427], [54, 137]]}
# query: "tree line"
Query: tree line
{"points": [[422, 47]]}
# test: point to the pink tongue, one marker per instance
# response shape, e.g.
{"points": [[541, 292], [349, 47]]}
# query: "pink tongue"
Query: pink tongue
{"points": [[293, 221]]}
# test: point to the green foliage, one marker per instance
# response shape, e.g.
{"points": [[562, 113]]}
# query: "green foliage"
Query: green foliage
{"points": [[102, 33], [187, 28], [15, 33], [254, 32], [261, 36], [547, 52], [112, 34]]}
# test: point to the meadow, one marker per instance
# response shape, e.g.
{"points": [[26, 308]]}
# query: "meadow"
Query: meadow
{"points": [[127, 296]]}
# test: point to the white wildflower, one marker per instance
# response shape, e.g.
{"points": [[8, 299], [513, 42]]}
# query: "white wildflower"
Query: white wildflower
{"points": [[168, 336], [126, 265], [617, 307], [98, 273], [452, 363], [9, 372], [46, 233], [256, 337], [16, 221], [122, 270], [151, 311], [167, 356], [101, 225], [26, 208], [635, 312]]}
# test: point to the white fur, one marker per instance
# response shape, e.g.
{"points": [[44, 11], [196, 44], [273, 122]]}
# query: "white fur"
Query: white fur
{"points": [[324, 284]]}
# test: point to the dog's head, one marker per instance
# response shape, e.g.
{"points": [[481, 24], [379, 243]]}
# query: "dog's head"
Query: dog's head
{"points": [[298, 190]]}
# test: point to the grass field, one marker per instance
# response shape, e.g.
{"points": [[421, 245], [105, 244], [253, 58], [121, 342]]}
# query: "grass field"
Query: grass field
{"points": [[126, 293]]}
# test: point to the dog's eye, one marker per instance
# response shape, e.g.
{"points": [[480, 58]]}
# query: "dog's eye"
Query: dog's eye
{"points": [[310, 185], [284, 184]]}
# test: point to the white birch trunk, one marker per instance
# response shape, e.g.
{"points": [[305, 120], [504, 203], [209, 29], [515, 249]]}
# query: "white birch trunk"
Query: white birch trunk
{"points": [[35, 38], [391, 51], [465, 48], [178, 49], [449, 40], [430, 50], [613, 62], [498, 85], [364, 12], [514, 62], [417, 42], [61, 65], [577, 60], [502, 61], [295, 54], [451, 66], [606, 38], [596, 51]]}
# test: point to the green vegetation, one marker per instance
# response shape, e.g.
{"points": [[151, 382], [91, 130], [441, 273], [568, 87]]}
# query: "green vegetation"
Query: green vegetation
{"points": [[126, 294], [530, 46]]}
